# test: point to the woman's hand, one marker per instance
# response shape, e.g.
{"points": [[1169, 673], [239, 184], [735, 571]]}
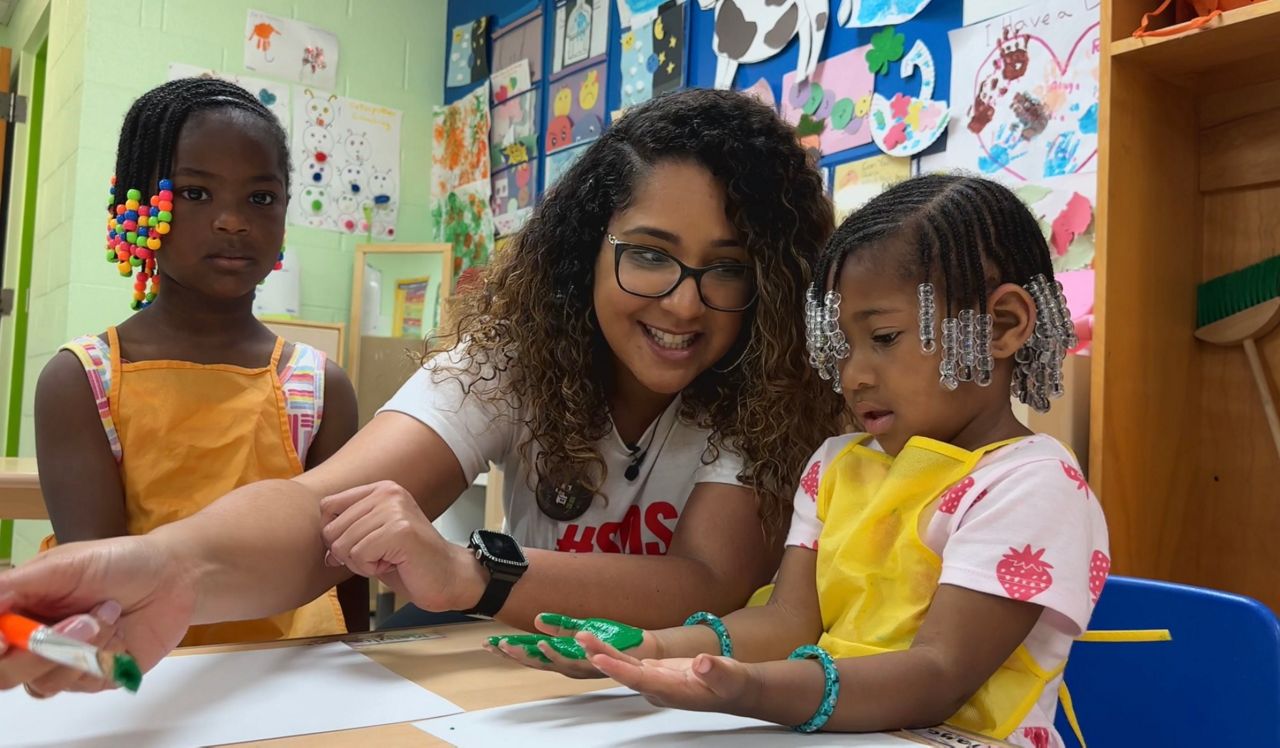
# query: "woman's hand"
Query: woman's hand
{"points": [[120, 593], [566, 643], [378, 530]]}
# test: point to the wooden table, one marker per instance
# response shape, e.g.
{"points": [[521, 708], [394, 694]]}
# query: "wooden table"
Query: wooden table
{"points": [[452, 664], [20, 496]]}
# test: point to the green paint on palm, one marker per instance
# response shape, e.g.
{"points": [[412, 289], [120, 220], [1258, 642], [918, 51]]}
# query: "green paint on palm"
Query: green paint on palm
{"points": [[620, 636]]}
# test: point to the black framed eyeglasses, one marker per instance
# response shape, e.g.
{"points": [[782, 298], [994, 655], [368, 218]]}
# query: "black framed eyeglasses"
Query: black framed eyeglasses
{"points": [[652, 273]]}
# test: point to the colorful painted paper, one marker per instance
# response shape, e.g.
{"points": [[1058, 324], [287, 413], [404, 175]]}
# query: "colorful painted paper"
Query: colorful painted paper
{"points": [[468, 53], [653, 57], [514, 190], [465, 220], [1064, 208], [460, 143], [289, 49], [746, 31], [512, 80], [906, 125], [577, 108], [273, 95], [1028, 83], [581, 32], [520, 40], [346, 164], [864, 13], [829, 110], [856, 182], [558, 163], [410, 307], [514, 135], [460, 187]]}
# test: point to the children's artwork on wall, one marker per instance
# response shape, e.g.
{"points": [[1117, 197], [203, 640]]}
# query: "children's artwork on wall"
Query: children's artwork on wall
{"points": [[558, 163], [346, 164], [1064, 208], [513, 138], [1025, 86], [581, 32], [905, 125], [633, 13], [577, 108], [520, 40], [274, 96], [514, 190], [653, 57], [291, 50], [763, 92], [856, 182], [464, 218], [1078, 286], [864, 13], [460, 143], [460, 187], [468, 53], [512, 80], [748, 31], [829, 109]]}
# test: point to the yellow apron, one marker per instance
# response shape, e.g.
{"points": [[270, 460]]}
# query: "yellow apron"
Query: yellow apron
{"points": [[877, 578], [181, 453]]}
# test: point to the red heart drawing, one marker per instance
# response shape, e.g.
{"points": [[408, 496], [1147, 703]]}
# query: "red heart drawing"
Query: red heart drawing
{"points": [[1021, 96]]}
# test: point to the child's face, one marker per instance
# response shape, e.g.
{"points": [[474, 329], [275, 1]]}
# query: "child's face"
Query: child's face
{"points": [[665, 343], [892, 386], [229, 205]]}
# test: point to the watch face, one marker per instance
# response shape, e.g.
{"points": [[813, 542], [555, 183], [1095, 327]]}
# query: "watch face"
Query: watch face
{"points": [[501, 547], [564, 502]]}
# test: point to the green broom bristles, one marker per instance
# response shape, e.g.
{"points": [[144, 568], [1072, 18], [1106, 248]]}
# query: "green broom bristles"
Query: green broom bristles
{"points": [[1221, 297]]}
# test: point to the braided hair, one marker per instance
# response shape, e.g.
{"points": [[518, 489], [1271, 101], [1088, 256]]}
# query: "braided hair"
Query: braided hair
{"points": [[149, 136], [974, 235], [144, 165]]}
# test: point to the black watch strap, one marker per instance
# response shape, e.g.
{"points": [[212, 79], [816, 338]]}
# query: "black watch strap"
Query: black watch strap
{"points": [[495, 594]]}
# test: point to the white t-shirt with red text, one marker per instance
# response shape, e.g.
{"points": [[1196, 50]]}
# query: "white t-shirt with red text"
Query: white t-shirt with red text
{"points": [[1024, 525], [638, 517]]}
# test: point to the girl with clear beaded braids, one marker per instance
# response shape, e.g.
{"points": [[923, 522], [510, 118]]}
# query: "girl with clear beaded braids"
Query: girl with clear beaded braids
{"points": [[956, 554]]}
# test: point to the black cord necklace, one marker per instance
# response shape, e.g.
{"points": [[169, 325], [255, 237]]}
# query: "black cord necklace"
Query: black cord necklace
{"points": [[637, 455]]}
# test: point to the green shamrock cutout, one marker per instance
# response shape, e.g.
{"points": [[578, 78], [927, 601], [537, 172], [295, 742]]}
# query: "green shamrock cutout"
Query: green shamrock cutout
{"points": [[886, 47], [620, 636]]}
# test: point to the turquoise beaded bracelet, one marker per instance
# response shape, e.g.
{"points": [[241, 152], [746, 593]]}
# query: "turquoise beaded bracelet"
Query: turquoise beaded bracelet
{"points": [[722, 633], [830, 690]]}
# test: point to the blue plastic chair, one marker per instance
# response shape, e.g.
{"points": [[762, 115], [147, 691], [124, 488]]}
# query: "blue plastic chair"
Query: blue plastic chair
{"points": [[1217, 683]]}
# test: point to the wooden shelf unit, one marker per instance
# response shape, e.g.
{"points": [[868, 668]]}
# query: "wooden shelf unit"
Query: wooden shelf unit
{"points": [[1189, 175]]}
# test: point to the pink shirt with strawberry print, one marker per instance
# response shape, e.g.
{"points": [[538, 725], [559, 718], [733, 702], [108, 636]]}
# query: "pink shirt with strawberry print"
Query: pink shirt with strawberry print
{"points": [[1024, 525]]}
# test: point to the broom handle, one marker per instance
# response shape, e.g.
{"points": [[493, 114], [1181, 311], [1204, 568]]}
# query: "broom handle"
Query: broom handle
{"points": [[1264, 389]]}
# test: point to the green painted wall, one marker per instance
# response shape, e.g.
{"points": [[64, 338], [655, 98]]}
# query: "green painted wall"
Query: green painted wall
{"points": [[105, 53]]}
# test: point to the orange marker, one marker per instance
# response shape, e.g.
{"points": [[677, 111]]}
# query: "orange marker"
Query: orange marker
{"points": [[38, 639]]}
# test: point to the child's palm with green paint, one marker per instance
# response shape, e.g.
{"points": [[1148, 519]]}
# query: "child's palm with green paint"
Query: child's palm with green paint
{"points": [[557, 649]]}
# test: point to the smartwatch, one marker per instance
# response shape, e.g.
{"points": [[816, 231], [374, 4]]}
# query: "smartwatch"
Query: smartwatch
{"points": [[501, 555]]}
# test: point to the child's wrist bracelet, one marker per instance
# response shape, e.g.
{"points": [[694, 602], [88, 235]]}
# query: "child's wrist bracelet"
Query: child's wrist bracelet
{"points": [[830, 689], [722, 633]]}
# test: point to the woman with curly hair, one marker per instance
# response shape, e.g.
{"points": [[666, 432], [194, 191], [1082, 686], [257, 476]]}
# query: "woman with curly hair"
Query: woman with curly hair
{"points": [[634, 362]]}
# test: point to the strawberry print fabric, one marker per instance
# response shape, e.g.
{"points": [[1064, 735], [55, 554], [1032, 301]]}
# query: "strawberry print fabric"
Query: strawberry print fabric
{"points": [[1024, 525]]}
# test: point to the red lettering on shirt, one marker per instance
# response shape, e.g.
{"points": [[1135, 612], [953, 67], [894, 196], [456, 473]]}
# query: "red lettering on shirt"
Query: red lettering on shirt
{"points": [[653, 516], [571, 543]]}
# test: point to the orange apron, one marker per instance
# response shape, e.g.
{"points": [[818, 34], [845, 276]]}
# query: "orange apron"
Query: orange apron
{"points": [[182, 452]]}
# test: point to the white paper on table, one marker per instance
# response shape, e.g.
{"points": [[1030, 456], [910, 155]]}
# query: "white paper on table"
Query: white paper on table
{"points": [[621, 717], [231, 697]]}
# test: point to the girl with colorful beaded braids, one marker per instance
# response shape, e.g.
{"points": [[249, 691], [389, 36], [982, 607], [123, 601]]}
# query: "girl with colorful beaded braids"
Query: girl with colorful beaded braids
{"points": [[192, 396], [941, 560]]}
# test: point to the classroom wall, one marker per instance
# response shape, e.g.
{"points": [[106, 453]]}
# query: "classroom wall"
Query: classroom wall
{"points": [[105, 53]]}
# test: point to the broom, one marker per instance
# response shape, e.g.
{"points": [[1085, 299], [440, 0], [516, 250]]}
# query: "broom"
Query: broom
{"points": [[1238, 308]]}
